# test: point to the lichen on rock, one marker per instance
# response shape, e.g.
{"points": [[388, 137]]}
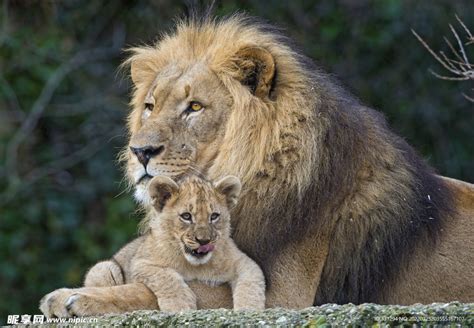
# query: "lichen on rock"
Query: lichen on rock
{"points": [[442, 314]]}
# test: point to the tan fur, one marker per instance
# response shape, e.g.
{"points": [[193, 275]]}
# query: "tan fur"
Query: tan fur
{"points": [[334, 207], [161, 262], [445, 273]]}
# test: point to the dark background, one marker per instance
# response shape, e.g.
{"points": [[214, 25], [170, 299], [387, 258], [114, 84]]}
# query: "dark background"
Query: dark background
{"points": [[63, 204]]}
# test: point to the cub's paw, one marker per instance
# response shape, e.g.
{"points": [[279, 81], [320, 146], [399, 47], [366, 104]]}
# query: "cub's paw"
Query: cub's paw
{"points": [[53, 304]]}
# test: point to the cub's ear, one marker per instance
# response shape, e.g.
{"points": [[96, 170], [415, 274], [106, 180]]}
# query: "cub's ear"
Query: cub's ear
{"points": [[256, 69], [230, 187], [161, 188]]}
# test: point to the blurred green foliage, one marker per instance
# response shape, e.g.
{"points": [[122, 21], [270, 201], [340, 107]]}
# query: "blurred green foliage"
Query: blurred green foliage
{"points": [[62, 204]]}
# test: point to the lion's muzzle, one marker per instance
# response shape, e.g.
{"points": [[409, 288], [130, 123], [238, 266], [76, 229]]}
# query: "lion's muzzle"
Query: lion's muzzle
{"points": [[144, 154]]}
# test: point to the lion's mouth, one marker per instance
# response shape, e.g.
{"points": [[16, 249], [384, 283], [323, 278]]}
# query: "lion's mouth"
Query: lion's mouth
{"points": [[199, 252], [147, 176], [144, 178]]}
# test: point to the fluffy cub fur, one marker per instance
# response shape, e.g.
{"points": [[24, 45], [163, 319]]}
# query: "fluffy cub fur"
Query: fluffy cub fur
{"points": [[189, 239]]}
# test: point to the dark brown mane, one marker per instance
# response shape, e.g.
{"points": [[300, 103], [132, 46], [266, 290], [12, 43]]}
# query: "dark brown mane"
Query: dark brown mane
{"points": [[357, 150], [369, 249]]}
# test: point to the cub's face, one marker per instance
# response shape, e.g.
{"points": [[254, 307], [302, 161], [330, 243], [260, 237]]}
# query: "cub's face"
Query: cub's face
{"points": [[195, 213]]}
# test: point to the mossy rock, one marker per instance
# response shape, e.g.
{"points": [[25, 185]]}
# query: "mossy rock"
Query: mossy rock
{"points": [[373, 315]]}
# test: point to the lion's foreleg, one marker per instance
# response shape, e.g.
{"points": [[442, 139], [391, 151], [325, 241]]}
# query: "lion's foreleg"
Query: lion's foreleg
{"points": [[89, 301], [296, 273]]}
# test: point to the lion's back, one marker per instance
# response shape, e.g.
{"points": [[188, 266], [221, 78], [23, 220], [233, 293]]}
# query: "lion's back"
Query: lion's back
{"points": [[445, 270], [464, 195]]}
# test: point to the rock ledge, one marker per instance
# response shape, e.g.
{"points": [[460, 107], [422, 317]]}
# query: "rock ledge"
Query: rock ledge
{"points": [[452, 314]]}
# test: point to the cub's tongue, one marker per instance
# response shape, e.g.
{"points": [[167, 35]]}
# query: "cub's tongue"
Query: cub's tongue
{"points": [[205, 248]]}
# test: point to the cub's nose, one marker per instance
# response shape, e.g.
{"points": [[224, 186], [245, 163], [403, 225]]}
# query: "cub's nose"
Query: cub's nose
{"points": [[203, 241], [145, 153]]}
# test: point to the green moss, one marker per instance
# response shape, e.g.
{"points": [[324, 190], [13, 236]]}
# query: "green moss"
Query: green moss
{"points": [[451, 314]]}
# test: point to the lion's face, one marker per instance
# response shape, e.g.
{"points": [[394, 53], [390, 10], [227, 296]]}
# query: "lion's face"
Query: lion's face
{"points": [[179, 126], [195, 213]]}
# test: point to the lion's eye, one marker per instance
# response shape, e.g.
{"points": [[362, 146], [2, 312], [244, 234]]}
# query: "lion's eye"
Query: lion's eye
{"points": [[195, 106], [187, 217], [215, 217]]}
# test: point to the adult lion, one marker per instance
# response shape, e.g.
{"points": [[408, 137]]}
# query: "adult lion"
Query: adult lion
{"points": [[335, 206]]}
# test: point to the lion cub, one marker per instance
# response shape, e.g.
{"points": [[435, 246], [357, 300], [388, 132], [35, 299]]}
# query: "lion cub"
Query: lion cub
{"points": [[189, 239]]}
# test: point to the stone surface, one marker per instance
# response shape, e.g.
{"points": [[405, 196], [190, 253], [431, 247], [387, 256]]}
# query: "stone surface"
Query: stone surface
{"points": [[450, 314]]}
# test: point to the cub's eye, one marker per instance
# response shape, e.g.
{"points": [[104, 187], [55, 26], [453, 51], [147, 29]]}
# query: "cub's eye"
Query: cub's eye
{"points": [[187, 217], [195, 106], [215, 217]]}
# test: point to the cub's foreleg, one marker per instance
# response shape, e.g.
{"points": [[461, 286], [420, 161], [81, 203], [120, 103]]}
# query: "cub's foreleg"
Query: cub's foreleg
{"points": [[248, 288], [105, 274], [172, 292]]}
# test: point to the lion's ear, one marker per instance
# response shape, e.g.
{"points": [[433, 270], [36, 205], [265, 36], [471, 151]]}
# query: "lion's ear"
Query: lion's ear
{"points": [[141, 64], [230, 187], [256, 70], [161, 189], [136, 71], [140, 71]]}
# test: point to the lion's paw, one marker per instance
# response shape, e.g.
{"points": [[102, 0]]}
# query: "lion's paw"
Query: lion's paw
{"points": [[53, 304], [67, 303], [83, 305]]}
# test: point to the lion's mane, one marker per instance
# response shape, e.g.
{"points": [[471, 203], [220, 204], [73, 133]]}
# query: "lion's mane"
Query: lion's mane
{"points": [[311, 158]]}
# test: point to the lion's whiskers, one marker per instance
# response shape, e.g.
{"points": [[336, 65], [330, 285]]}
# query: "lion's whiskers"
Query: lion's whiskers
{"points": [[196, 170]]}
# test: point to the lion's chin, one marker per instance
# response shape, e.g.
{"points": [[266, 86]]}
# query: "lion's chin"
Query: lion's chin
{"points": [[141, 190], [144, 179], [141, 185]]}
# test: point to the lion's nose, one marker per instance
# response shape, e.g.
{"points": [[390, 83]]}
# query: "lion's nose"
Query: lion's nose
{"points": [[203, 240], [145, 153]]}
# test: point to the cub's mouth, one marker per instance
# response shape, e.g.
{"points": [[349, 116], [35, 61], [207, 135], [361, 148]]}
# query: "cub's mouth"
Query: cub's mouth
{"points": [[199, 252]]}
